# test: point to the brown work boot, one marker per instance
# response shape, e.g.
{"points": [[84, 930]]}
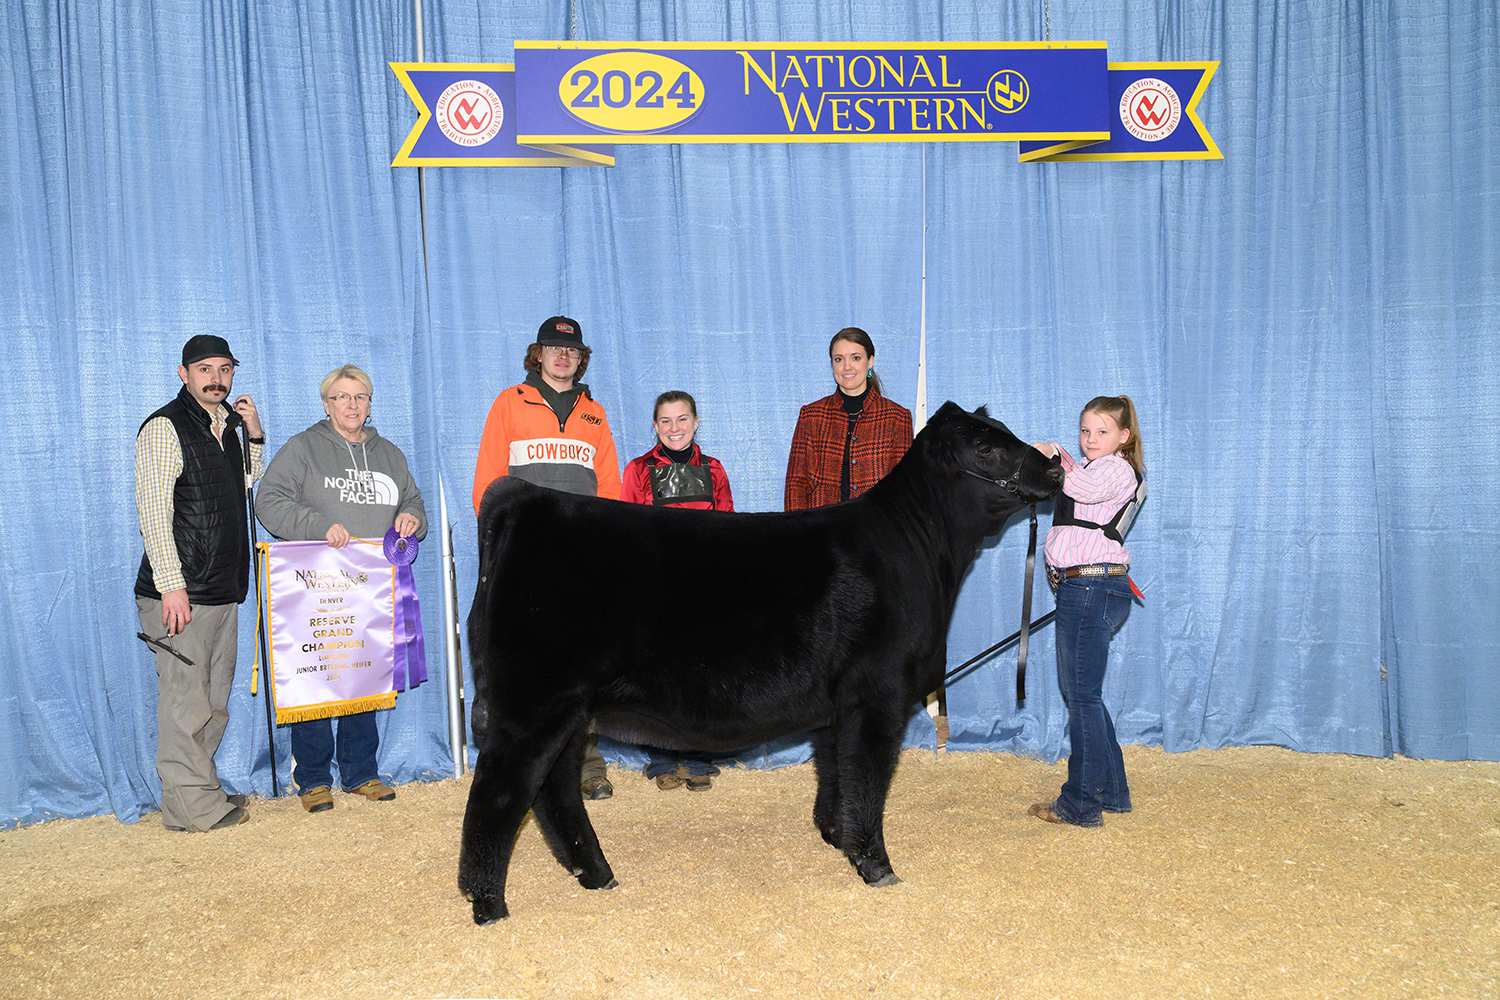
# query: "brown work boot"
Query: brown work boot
{"points": [[597, 788], [699, 782], [668, 780], [374, 791], [233, 817], [317, 800]]}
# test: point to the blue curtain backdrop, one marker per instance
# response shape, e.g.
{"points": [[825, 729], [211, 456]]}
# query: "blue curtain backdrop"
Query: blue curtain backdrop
{"points": [[1308, 328]]}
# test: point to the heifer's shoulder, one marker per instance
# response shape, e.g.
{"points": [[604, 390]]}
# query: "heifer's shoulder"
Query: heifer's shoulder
{"points": [[503, 494]]}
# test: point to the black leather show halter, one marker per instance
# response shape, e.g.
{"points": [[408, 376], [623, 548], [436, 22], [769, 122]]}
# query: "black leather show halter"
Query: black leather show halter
{"points": [[1013, 486]]}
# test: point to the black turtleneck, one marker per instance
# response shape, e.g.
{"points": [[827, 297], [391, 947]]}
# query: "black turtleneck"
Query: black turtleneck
{"points": [[684, 456], [854, 408]]}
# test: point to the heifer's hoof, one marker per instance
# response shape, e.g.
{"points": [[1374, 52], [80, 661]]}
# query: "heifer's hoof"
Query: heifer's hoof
{"points": [[488, 911], [878, 874], [598, 880]]}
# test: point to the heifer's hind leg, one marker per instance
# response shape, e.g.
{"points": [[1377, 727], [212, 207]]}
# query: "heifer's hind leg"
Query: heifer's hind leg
{"points": [[507, 775], [869, 742], [826, 806], [564, 822]]}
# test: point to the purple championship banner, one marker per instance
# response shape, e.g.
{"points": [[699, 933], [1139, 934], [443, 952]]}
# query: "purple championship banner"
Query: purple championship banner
{"points": [[753, 92], [1154, 110], [344, 626], [466, 118]]}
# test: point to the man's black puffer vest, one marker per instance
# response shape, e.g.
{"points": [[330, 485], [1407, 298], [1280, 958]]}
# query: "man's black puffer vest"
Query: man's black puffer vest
{"points": [[210, 527]]}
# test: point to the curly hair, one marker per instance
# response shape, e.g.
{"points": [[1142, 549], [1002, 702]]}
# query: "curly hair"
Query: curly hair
{"points": [[533, 360]]}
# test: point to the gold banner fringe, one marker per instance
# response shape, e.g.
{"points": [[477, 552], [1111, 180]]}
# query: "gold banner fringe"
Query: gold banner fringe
{"points": [[331, 709]]}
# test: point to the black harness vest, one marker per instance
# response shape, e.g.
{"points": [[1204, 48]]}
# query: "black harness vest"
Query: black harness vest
{"points": [[679, 482], [209, 525], [1063, 513]]}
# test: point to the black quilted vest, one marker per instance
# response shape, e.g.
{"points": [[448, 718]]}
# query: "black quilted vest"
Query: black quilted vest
{"points": [[210, 526]]}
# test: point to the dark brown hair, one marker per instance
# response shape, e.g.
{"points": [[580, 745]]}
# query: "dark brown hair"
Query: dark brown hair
{"points": [[674, 396], [855, 335]]}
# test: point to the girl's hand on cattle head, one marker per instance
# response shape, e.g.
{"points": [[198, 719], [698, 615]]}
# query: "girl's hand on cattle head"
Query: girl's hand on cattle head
{"points": [[1048, 448]]}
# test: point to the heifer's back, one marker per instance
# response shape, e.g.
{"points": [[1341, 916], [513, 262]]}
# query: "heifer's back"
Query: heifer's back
{"points": [[679, 627]]}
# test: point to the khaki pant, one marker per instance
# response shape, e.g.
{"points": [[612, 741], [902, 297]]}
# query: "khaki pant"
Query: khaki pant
{"points": [[593, 760], [192, 710]]}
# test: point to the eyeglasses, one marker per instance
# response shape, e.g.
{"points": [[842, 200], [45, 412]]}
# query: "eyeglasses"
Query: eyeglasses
{"points": [[342, 398], [567, 352]]}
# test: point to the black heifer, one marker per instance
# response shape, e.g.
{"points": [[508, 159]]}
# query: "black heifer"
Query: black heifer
{"points": [[704, 630]]}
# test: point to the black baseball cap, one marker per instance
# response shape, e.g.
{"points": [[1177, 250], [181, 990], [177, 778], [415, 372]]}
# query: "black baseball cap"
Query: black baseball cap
{"points": [[560, 331], [206, 345]]}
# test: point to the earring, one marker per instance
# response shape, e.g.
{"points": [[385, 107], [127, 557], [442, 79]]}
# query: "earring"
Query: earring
{"points": [[869, 373]]}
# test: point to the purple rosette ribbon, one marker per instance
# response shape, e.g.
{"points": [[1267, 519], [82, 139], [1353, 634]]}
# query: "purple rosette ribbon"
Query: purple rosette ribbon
{"points": [[411, 649], [399, 551]]}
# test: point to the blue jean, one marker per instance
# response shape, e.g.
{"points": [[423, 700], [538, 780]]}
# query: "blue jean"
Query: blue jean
{"points": [[1089, 610], [314, 747], [666, 761]]}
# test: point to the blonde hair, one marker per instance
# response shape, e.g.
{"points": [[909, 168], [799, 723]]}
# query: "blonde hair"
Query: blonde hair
{"points": [[346, 371], [1122, 411]]}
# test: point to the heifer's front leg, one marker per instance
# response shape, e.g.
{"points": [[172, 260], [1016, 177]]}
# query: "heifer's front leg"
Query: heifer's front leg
{"points": [[564, 821], [507, 775], [826, 806], [869, 741]]}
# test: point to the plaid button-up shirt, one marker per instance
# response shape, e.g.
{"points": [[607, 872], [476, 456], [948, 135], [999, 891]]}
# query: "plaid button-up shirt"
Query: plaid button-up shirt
{"points": [[158, 463]]}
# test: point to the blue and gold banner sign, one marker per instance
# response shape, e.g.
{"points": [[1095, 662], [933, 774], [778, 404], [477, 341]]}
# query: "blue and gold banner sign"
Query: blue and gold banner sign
{"points": [[1153, 107], [466, 118], [744, 92]]}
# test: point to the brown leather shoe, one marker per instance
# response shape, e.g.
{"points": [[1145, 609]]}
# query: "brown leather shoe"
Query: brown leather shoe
{"points": [[317, 800], [597, 788], [668, 780], [1043, 811], [699, 782], [374, 791]]}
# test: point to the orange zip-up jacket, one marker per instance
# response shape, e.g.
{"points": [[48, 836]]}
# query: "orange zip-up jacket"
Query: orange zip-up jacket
{"points": [[522, 439]]}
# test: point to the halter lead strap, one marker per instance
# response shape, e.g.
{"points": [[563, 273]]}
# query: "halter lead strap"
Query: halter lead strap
{"points": [[1013, 486]]}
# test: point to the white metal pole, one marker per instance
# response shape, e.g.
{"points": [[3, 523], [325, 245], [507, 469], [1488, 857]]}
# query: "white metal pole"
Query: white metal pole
{"points": [[451, 648], [919, 418]]}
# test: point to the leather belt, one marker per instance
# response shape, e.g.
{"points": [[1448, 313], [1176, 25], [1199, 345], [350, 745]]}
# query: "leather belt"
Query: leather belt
{"points": [[1056, 576]]}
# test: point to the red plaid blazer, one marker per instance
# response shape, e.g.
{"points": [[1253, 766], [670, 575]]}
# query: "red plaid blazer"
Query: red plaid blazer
{"points": [[814, 470]]}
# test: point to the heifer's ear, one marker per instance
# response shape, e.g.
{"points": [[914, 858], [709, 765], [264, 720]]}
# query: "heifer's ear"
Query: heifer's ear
{"points": [[944, 435], [948, 410], [982, 411]]}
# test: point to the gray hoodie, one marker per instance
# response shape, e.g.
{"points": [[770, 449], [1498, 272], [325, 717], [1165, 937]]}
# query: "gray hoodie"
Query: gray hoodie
{"points": [[319, 479]]}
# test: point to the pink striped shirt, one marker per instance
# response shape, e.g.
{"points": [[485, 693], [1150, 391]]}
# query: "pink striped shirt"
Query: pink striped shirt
{"points": [[1099, 489]]}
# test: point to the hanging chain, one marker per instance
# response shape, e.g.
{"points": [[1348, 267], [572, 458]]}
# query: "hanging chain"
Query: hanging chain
{"points": [[1047, 18], [573, 36]]}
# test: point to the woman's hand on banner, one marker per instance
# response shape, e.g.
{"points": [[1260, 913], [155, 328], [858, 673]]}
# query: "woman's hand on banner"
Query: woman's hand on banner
{"points": [[406, 525], [338, 536]]}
